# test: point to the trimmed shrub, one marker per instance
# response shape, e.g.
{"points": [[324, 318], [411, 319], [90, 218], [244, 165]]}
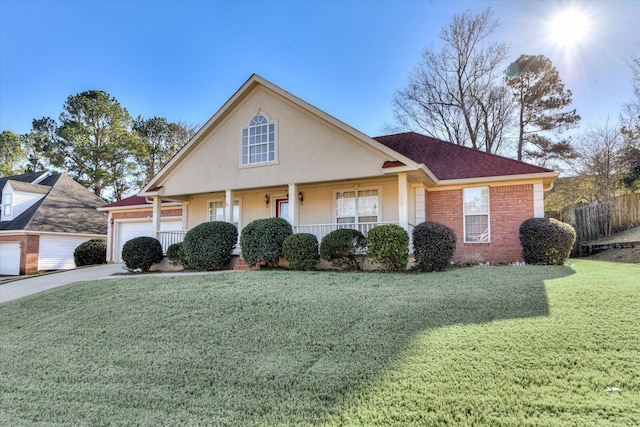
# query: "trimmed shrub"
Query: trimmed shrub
{"points": [[209, 245], [175, 254], [91, 252], [262, 239], [342, 247], [546, 241], [301, 250], [433, 246], [388, 245], [142, 253]]}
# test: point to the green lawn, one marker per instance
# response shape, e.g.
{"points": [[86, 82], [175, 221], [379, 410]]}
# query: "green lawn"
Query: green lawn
{"points": [[512, 346]]}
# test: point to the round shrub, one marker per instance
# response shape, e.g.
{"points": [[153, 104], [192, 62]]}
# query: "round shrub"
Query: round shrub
{"points": [[91, 252], [301, 250], [388, 245], [341, 247], [176, 255], [262, 239], [546, 241], [209, 245], [142, 253], [433, 246]]}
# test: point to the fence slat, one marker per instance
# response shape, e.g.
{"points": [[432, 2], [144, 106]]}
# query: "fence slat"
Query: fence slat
{"points": [[600, 219]]}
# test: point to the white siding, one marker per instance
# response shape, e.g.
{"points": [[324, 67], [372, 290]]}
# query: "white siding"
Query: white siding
{"points": [[9, 258], [56, 251], [23, 201], [538, 201]]}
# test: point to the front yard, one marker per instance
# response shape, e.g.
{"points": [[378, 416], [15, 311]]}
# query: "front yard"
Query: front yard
{"points": [[493, 346]]}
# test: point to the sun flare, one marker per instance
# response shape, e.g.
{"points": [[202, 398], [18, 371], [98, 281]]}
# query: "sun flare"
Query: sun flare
{"points": [[569, 27]]}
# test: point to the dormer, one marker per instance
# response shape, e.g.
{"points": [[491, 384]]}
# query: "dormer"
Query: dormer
{"points": [[18, 196]]}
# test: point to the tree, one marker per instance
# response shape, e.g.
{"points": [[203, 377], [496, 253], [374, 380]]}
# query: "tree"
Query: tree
{"points": [[540, 97], [158, 140], [37, 143], [456, 93], [11, 154], [93, 142], [630, 159]]}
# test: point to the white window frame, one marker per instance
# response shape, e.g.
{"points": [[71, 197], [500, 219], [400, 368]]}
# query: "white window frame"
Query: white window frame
{"points": [[356, 216], [236, 218], [7, 199], [487, 213], [245, 134]]}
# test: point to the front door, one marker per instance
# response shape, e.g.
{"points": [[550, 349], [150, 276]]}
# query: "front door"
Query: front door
{"points": [[282, 209]]}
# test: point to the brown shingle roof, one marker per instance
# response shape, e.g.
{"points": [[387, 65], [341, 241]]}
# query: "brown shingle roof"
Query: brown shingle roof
{"points": [[451, 161], [129, 201]]}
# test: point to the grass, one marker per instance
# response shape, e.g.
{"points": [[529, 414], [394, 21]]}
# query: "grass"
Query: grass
{"points": [[498, 346]]}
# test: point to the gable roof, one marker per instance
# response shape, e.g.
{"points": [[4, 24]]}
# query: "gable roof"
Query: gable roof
{"points": [[449, 161], [67, 207]]}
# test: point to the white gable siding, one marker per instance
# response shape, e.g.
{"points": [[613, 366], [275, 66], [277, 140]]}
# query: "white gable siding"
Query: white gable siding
{"points": [[20, 201], [56, 251], [309, 150]]}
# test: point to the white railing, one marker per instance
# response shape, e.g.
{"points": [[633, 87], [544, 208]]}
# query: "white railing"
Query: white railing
{"points": [[168, 238], [321, 230]]}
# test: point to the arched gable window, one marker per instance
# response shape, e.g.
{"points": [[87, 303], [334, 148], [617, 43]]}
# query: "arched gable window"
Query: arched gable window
{"points": [[259, 141]]}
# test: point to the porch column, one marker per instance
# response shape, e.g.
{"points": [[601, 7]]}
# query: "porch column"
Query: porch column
{"points": [[293, 205], [228, 206], [156, 216], [403, 201]]}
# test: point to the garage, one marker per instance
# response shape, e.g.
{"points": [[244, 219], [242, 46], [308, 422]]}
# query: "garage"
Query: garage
{"points": [[126, 231], [56, 251], [9, 258]]}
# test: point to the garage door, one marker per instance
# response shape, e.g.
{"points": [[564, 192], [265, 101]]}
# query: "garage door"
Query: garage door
{"points": [[129, 230], [9, 259], [56, 252]]}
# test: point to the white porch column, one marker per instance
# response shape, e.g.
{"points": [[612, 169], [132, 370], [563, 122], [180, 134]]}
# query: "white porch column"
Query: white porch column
{"points": [[293, 205], [228, 206], [403, 201], [156, 216]]}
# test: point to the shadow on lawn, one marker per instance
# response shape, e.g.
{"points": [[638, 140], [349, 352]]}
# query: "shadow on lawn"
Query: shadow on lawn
{"points": [[348, 335]]}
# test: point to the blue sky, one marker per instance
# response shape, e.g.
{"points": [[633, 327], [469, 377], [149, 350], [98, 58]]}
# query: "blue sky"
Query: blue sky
{"points": [[183, 59]]}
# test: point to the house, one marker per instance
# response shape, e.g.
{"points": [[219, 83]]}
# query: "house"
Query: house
{"points": [[43, 218], [267, 153]]}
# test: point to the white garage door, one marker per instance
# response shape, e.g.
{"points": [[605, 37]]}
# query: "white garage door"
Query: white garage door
{"points": [[129, 230], [56, 252], [9, 258]]}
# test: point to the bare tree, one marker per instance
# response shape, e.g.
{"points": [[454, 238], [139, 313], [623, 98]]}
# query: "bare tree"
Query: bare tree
{"points": [[457, 93], [631, 130]]}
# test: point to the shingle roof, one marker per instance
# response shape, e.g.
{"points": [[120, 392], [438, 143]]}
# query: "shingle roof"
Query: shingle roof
{"points": [[27, 187], [451, 161], [129, 201], [68, 207]]}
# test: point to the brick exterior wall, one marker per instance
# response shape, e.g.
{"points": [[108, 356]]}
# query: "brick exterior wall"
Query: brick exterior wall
{"points": [[510, 206], [29, 249], [145, 214]]}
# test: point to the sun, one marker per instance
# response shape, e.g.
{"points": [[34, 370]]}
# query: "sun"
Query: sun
{"points": [[569, 27]]}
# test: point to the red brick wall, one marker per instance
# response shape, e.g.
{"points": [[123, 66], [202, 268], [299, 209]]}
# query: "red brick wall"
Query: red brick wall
{"points": [[29, 248], [145, 214], [510, 206]]}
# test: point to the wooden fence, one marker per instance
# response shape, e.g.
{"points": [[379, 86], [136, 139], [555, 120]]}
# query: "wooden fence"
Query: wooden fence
{"points": [[600, 219]]}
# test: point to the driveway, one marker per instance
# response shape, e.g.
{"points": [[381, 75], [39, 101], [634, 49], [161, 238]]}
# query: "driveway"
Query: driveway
{"points": [[31, 285]]}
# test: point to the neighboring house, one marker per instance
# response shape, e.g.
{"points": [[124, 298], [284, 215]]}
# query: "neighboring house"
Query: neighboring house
{"points": [[43, 218], [131, 217], [267, 153]]}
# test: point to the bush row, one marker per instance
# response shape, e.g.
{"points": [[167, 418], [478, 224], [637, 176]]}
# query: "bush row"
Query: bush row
{"points": [[264, 241]]}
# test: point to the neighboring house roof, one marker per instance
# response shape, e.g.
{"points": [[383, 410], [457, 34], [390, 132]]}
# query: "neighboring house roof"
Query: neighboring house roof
{"points": [[67, 207], [27, 187], [450, 161]]}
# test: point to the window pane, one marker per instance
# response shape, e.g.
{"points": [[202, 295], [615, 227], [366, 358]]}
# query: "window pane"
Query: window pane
{"points": [[346, 204], [477, 228], [476, 200], [368, 205]]}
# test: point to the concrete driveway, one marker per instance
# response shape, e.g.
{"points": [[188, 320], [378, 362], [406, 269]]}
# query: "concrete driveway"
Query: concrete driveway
{"points": [[31, 285]]}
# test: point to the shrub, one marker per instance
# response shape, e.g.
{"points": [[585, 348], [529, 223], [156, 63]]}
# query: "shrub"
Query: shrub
{"points": [[341, 247], [433, 246], [176, 255], [262, 239], [546, 241], [142, 253], [91, 252], [388, 245], [209, 245], [301, 250]]}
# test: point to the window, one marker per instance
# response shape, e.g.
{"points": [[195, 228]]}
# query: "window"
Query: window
{"points": [[216, 211], [259, 142], [476, 215], [6, 205], [357, 206]]}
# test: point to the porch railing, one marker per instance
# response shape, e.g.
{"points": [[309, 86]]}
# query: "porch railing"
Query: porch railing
{"points": [[167, 238]]}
